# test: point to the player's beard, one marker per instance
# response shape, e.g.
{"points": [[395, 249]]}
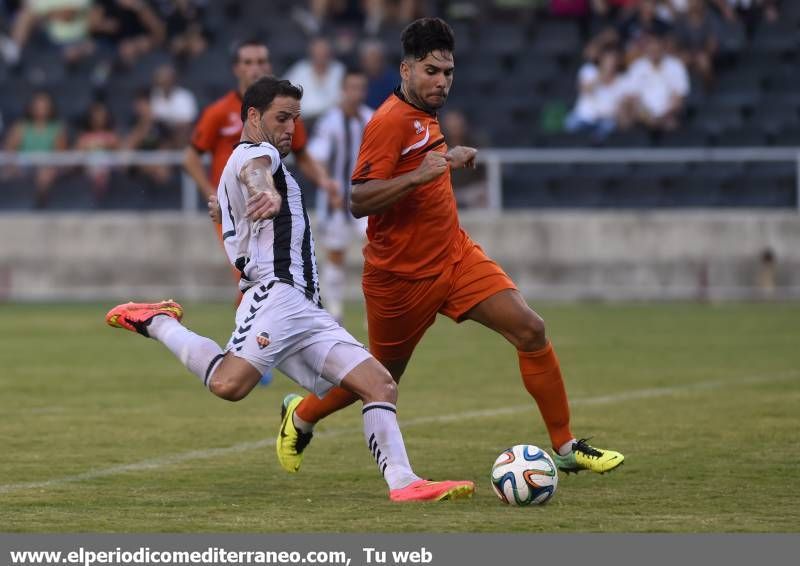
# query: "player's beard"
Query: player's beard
{"points": [[443, 99], [273, 142], [413, 96]]}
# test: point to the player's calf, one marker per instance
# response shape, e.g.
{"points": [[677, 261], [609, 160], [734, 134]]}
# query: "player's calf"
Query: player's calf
{"points": [[200, 355]]}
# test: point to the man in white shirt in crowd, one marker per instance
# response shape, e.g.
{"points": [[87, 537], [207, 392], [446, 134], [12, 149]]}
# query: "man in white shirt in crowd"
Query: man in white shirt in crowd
{"points": [[659, 84], [602, 91], [173, 105], [320, 75]]}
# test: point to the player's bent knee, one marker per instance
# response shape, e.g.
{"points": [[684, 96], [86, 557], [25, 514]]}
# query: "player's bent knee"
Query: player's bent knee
{"points": [[382, 387], [229, 389], [531, 335], [386, 391]]}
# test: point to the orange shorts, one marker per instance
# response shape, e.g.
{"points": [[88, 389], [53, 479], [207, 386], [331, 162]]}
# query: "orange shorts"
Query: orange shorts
{"points": [[399, 311]]}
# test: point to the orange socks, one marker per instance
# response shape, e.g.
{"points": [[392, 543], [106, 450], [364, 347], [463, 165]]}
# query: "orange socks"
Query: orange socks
{"points": [[312, 409], [541, 375]]}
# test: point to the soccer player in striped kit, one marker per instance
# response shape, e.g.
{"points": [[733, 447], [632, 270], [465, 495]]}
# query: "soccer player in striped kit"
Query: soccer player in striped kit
{"points": [[335, 142], [280, 322]]}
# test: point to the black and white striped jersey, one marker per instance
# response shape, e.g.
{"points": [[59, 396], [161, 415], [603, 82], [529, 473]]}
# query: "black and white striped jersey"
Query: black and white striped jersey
{"points": [[335, 142], [279, 249]]}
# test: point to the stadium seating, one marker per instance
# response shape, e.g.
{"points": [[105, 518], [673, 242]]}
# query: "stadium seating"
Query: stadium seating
{"points": [[509, 76]]}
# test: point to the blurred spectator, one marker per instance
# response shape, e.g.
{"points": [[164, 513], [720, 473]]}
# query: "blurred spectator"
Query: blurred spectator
{"points": [[673, 10], [39, 130], [570, 8], [132, 27], [97, 135], [147, 134], [314, 16], [659, 84], [381, 78], [602, 92], [173, 105], [469, 185], [614, 9], [186, 30], [697, 40], [320, 75], [65, 23], [643, 21], [767, 273], [393, 12], [369, 15], [750, 12], [607, 39]]}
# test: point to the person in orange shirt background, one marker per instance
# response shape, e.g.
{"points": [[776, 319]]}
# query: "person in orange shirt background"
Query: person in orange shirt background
{"points": [[220, 127], [419, 261]]}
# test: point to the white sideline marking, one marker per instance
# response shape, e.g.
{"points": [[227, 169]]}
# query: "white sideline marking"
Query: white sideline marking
{"points": [[164, 461]]}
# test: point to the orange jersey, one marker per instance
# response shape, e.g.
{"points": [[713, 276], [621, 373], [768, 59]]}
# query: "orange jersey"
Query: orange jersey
{"points": [[419, 235], [220, 127]]}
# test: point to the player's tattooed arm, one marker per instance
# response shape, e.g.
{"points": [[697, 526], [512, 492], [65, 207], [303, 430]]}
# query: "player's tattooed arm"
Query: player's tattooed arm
{"points": [[462, 156], [263, 200]]}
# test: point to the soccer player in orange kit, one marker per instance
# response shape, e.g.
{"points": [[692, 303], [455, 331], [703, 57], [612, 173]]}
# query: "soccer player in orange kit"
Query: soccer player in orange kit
{"points": [[419, 261]]}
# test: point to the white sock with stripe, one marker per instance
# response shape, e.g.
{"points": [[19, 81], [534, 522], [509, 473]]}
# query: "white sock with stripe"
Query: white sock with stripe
{"points": [[199, 354], [386, 444]]}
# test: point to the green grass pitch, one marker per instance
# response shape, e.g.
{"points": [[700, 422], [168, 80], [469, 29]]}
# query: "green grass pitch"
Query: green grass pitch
{"points": [[102, 431]]}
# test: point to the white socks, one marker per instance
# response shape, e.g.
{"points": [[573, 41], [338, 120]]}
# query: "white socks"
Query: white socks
{"points": [[199, 354], [385, 442], [301, 425], [333, 282], [565, 448]]}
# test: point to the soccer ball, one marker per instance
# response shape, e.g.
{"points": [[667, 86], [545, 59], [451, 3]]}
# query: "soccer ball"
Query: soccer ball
{"points": [[524, 475]]}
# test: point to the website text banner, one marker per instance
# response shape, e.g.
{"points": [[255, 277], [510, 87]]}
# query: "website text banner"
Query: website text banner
{"points": [[394, 549]]}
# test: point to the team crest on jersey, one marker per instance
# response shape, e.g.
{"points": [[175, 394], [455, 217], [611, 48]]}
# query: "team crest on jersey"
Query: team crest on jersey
{"points": [[418, 126], [263, 340]]}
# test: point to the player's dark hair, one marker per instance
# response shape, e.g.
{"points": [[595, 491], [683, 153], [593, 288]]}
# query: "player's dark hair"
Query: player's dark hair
{"points": [[426, 35], [261, 93], [238, 46]]}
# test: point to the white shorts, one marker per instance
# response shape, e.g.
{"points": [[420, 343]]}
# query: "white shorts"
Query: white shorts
{"points": [[278, 327], [338, 231]]}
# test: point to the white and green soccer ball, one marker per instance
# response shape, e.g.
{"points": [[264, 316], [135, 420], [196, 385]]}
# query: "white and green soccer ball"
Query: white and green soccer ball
{"points": [[524, 475]]}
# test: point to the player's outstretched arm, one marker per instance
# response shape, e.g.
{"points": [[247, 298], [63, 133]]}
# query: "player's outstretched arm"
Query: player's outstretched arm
{"points": [[263, 200], [376, 195]]}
